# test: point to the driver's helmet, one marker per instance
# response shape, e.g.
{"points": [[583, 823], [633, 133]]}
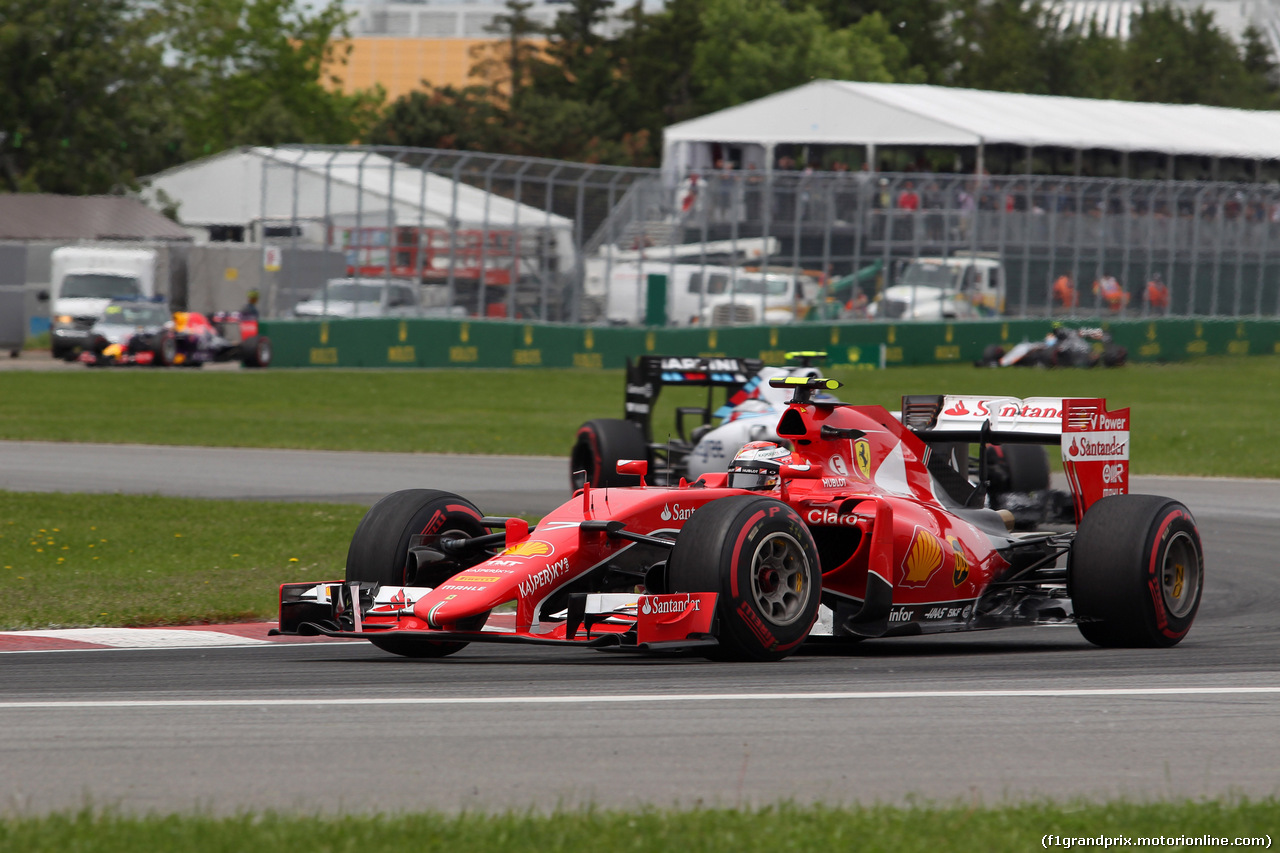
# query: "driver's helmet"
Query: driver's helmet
{"points": [[757, 465]]}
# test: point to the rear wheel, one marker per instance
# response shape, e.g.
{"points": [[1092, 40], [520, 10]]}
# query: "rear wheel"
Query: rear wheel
{"points": [[1136, 572], [760, 557], [379, 551], [598, 448], [1018, 467]]}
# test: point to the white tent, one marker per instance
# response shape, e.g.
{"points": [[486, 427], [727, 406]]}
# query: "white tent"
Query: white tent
{"points": [[246, 186], [833, 112]]}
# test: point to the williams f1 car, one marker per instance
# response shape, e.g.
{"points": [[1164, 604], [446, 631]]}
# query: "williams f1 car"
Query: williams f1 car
{"points": [[858, 516], [706, 437]]}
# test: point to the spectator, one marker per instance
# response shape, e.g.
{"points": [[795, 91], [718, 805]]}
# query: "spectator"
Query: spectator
{"points": [[1108, 289], [1064, 291], [908, 199], [250, 308], [1156, 295]]}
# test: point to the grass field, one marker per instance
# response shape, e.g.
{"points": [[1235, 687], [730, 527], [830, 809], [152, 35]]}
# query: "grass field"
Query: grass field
{"points": [[81, 560], [1016, 829], [1208, 417]]}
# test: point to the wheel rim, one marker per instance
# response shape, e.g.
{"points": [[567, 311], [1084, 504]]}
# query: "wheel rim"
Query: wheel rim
{"points": [[412, 578], [780, 579], [1180, 575]]}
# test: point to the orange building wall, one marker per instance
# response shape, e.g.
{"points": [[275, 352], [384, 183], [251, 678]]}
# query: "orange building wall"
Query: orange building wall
{"points": [[401, 64]]}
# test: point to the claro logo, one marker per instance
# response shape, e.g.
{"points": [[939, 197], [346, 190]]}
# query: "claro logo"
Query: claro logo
{"points": [[830, 517]]}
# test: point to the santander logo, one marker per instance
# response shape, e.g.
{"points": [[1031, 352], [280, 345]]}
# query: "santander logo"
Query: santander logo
{"points": [[677, 512], [1098, 446]]}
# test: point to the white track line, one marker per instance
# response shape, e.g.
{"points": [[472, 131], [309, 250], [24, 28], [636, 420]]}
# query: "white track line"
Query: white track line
{"points": [[1065, 693]]}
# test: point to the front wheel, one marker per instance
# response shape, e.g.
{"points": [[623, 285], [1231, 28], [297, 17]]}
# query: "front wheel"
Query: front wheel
{"points": [[256, 351], [1136, 572], [379, 551], [166, 351], [760, 557]]}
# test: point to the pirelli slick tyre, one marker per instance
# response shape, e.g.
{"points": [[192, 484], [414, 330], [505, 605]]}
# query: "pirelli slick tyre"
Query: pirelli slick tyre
{"points": [[1136, 572], [1018, 467], [256, 351], [598, 448], [759, 556], [379, 551]]}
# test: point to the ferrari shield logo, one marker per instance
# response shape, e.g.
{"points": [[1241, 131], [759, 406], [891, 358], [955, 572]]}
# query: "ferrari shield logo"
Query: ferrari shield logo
{"points": [[862, 456]]}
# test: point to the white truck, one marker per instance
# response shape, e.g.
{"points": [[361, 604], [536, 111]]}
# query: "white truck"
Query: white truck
{"points": [[83, 280], [707, 294], [960, 287]]}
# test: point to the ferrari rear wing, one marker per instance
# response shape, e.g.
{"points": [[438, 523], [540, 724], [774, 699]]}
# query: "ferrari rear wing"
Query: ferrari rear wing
{"points": [[1094, 441], [994, 420]]}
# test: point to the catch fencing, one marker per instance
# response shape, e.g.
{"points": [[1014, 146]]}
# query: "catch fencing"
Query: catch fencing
{"points": [[499, 237]]}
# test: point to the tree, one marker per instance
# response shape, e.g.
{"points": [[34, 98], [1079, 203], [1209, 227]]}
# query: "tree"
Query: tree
{"points": [[1179, 57], [923, 27], [506, 64], [446, 117], [753, 48], [84, 106], [253, 74]]}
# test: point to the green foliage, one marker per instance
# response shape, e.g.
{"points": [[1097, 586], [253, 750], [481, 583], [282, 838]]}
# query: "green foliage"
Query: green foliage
{"points": [[84, 105], [253, 74], [753, 48], [447, 117], [99, 94]]}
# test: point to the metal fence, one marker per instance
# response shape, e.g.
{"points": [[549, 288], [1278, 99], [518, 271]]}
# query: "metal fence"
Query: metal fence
{"points": [[526, 238]]}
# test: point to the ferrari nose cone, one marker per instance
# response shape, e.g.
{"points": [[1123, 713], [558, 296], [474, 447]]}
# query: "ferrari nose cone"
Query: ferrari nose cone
{"points": [[440, 608]]}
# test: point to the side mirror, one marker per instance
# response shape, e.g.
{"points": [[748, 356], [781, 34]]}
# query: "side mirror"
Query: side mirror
{"points": [[42, 296], [800, 472], [636, 467]]}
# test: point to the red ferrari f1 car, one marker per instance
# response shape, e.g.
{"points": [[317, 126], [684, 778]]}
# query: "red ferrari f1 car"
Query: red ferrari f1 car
{"points": [[857, 517]]}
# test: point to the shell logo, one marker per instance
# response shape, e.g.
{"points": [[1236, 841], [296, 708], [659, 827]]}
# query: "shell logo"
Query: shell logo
{"points": [[960, 573], [532, 548], [924, 557]]}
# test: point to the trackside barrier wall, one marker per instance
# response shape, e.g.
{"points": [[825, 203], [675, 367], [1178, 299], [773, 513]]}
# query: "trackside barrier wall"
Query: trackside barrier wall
{"points": [[496, 344]]}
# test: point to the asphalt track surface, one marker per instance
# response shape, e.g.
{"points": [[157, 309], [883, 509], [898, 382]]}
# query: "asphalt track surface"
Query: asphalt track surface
{"points": [[992, 717]]}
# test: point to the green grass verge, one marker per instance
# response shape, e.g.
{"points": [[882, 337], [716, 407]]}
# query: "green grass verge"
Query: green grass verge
{"points": [[82, 560], [1208, 417], [779, 828]]}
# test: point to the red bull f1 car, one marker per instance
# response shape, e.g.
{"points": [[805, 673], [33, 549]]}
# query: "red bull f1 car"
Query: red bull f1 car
{"points": [[858, 519]]}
